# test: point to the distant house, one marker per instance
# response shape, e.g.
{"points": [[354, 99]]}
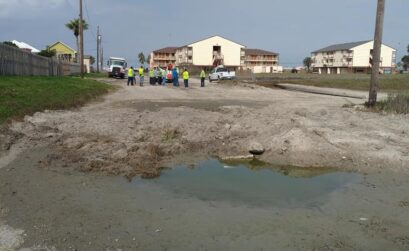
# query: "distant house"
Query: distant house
{"points": [[64, 52], [25, 46], [353, 57]]}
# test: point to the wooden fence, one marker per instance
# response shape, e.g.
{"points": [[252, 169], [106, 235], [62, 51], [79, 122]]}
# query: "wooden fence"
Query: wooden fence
{"points": [[17, 62]]}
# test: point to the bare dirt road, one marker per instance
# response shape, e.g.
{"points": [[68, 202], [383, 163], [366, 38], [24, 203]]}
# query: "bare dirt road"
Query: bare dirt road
{"points": [[137, 131]]}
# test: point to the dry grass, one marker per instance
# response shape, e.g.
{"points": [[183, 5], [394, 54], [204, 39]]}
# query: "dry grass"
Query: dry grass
{"points": [[395, 103], [155, 152], [344, 81]]}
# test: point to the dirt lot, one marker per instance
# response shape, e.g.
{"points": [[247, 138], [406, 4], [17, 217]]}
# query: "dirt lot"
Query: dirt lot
{"points": [[138, 131], [136, 128]]}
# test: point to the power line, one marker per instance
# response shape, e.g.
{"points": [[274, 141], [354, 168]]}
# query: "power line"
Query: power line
{"points": [[72, 7], [89, 19]]}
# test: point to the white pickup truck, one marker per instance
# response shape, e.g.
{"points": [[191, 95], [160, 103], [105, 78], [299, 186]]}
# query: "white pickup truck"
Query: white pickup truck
{"points": [[221, 73]]}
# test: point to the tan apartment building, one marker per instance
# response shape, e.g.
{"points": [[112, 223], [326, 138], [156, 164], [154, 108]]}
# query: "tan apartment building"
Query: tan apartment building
{"points": [[353, 57], [260, 61], [214, 51], [163, 56]]}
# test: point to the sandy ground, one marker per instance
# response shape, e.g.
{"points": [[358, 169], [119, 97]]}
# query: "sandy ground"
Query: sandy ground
{"points": [[137, 131], [136, 127]]}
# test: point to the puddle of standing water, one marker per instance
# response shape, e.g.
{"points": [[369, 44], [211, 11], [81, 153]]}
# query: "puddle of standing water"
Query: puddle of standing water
{"points": [[255, 183]]}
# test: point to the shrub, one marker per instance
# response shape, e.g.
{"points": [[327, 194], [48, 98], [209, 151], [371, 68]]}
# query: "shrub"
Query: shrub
{"points": [[397, 103]]}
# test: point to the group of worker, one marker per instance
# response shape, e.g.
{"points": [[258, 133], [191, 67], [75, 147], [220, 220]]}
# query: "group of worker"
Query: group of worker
{"points": [[163, 76], [131, 76]]}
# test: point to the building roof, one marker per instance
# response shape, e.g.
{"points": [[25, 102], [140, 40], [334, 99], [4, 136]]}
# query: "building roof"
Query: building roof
{"points": [[259, 52], [23, 45], [213, 37], [59, 42], [340, 47], [167, 50]]}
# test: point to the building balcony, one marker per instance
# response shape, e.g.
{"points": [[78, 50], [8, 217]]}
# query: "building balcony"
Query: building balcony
{"points": [[185, 61], [261, 60], [164, 58], [258, 63]]}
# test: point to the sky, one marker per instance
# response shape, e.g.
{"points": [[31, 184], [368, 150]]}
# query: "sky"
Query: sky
{"points": [[292, 28]]}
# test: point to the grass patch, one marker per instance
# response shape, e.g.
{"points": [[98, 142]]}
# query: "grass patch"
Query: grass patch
{"points": [[102, 74], [21, 96], [170, 134], [395, 103], [395, 82]]}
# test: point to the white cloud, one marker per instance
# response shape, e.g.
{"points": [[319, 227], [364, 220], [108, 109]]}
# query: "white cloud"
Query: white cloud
{"points": [[9, 8]]}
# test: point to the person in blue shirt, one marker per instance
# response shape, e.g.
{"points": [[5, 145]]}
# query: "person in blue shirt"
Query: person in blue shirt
{"points": [[175, 76]]}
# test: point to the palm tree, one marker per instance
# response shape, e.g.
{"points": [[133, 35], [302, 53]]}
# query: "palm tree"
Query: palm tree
{"points": [[141, 58], [74, 26], [148, 59]]}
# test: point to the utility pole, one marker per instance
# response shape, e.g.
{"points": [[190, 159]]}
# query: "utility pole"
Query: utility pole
{"points": [[98, 48], [81, 41], [102, 58], [376, 57]]}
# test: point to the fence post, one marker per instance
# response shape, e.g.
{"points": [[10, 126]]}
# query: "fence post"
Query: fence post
{"points": [[1, 62], [52, 73], [31, 65]]}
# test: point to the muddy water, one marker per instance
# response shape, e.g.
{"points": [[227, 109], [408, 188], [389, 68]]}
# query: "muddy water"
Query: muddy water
{"points": [[255, 185], [59, 207]]}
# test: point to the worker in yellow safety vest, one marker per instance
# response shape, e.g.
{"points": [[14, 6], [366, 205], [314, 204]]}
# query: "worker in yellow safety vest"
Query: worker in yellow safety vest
{"points": [[131, 75], [141, 75], [202, 78], [152, 78], [186, 78]]}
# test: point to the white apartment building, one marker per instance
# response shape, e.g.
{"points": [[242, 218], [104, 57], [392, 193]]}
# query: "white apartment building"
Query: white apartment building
{"points": [[351, 58], [214, 51]]}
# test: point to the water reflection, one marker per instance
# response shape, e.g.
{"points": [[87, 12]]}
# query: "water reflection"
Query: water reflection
{"points": [[255, 183]]}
